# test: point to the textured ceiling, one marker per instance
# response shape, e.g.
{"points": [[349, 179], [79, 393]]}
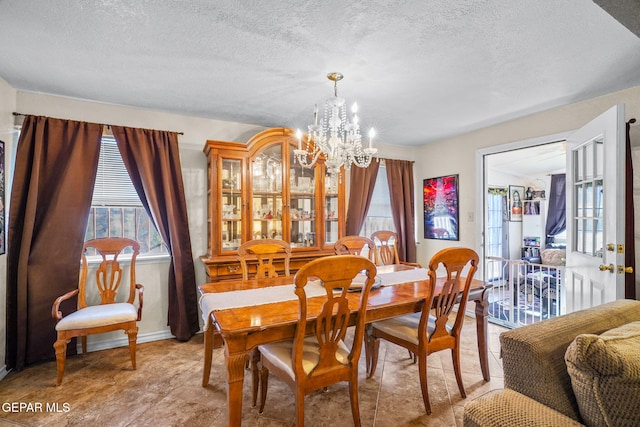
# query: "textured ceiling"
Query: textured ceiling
{"points": [[420, 70]]}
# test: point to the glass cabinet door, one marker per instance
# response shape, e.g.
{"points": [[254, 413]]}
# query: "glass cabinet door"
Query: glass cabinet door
{"points": [[302, 212], [231, 204], [266, 197], [331, 230]]}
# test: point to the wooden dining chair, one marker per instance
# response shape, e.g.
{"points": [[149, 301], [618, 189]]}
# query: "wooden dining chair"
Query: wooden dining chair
{"points": [[318, 356], [386, 248], [355, 245], [264, 251], [109, 315], [425, 333]]}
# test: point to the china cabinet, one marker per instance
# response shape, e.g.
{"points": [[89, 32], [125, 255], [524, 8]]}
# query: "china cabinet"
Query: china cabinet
{"points": [[258, 191]]}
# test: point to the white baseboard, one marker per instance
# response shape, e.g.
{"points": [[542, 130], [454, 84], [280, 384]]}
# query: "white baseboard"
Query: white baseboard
{"points": [[3, 372], [124, 341]]}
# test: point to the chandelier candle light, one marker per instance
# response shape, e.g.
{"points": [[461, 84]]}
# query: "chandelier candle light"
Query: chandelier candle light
{"points": [[337, 138]]}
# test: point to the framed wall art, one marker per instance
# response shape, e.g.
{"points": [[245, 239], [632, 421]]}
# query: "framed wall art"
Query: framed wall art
{"points": [[516, 193], [440, 197]]}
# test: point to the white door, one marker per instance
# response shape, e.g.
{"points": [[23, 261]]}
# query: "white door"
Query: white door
{"points": [[595, 212]]}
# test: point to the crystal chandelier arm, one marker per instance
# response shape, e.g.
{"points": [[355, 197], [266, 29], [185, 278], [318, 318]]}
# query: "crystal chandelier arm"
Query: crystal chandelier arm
{"points": [[304, 159]]}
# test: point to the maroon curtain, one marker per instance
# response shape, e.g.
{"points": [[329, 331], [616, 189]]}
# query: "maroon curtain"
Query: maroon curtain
{"points": [[361, 183], [153, 161], [400, 179], [55, 171], [630, 250]]}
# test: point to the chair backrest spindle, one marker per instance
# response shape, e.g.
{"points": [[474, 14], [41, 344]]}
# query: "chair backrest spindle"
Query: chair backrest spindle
{"points": [[264, 251], [108, 275], [356, 245]]}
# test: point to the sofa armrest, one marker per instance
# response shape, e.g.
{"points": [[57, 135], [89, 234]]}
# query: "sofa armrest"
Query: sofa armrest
{"points": [[507, 408]]}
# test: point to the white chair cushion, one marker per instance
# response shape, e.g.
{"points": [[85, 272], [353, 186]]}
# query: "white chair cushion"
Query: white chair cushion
{"points": [[98, 315], [404, 327], [279, 354]]}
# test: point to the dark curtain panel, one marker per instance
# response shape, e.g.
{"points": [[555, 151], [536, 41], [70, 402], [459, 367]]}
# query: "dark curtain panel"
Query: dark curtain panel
{"points": [[361, 183], [630, 250], [153, 161], [55, 171], [557, 213], [400, 178]]}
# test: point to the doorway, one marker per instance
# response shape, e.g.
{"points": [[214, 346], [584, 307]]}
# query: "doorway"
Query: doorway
{"points": [[517, 184]]}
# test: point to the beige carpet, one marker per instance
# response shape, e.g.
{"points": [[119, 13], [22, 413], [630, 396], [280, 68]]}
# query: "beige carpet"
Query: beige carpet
{"points": [[101, 389]]}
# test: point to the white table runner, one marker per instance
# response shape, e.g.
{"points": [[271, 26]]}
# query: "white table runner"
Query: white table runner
{"points": [[250, 297], [397, 277]]}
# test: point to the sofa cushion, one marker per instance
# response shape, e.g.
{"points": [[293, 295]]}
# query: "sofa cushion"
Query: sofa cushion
{"points": [[605, 376], [553, 256]]}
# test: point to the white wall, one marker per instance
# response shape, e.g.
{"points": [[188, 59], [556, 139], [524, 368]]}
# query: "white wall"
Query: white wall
{"points": [[7, 107], [457, 155]]}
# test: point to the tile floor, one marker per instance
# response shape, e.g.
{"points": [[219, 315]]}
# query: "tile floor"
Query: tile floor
{"points": [[101, 389]]}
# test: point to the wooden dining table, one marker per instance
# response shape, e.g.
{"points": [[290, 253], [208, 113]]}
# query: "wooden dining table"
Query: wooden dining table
{"points": [[244, 328]]}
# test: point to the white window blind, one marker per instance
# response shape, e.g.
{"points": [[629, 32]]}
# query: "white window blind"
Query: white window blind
{"points": [[116, 210], [113, 185], [380, 199], [379, 216]]}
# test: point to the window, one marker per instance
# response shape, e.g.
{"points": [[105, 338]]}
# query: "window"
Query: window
{"points": [[116, 209], [379, 216]]}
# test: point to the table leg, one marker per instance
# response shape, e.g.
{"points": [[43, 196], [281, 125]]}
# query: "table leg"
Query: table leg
{"points": [[482, 323], [235, 362], [208, 352]]}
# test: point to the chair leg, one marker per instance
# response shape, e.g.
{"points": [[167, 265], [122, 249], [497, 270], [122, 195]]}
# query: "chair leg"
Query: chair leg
{"points": [[455, 355], [83, 339], [264, 382], [353, 397], [60, 347], [133, 335], [375, 347], [367, 347], [299, 408], [255, 375], [422, 369]]}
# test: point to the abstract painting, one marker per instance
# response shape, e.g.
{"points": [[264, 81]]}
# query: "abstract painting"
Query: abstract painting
{"points": [[440, 196]]}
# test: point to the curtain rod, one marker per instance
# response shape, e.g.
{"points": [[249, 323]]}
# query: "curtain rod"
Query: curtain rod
{"points": [[103, 124]]}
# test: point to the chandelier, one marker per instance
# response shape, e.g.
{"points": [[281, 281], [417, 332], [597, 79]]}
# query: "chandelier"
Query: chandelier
{"points": [[335, 138]]}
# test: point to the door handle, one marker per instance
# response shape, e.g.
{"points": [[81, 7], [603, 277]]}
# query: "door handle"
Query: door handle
{"points": [[611, 247], [609, 268], [622, 269]]}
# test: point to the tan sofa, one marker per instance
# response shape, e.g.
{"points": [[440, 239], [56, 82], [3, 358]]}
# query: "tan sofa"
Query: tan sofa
{"points": [[538, 386]]}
